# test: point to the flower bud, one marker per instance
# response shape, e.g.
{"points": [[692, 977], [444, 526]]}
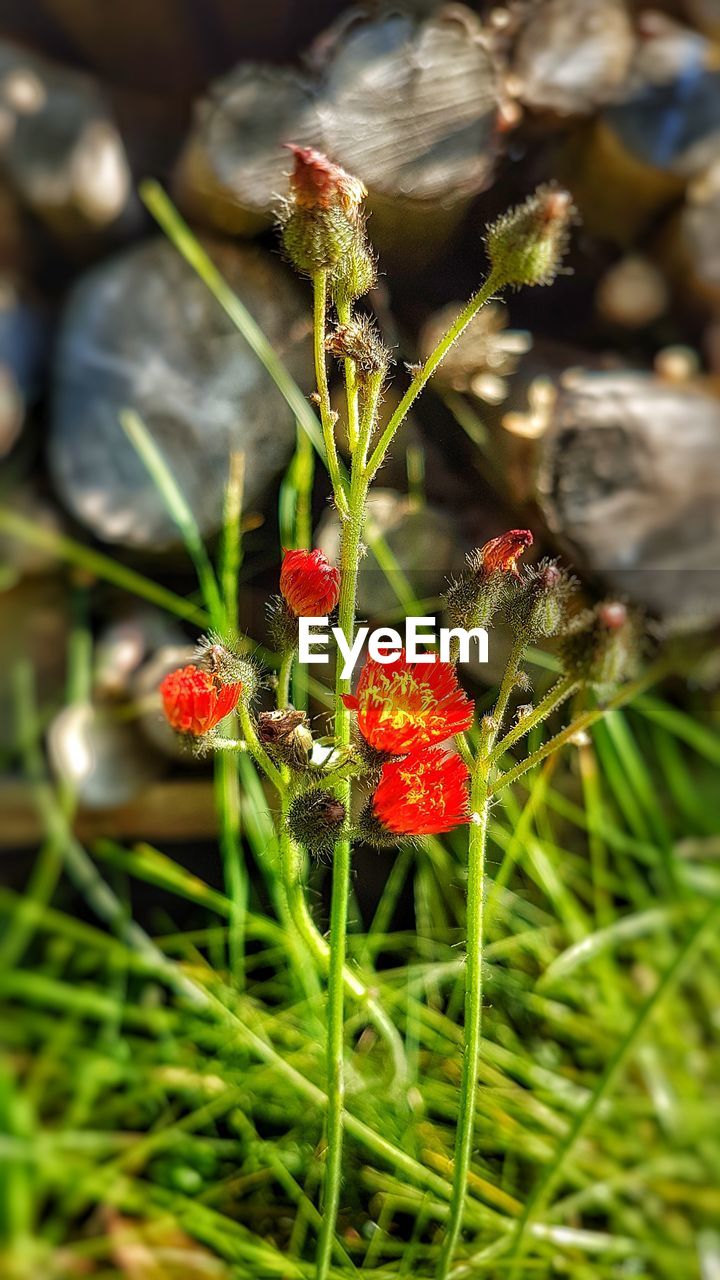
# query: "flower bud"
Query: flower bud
{"points": [[601, 646], [194, 702], [538, 608], [285, 736], [321, 220], [310, 585], [473, 599], [526, 245], [356, 272], [316, 820]]}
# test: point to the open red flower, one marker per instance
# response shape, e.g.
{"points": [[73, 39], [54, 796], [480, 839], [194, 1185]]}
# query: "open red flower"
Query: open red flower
{"points": [[194, 701], [422, 795], [309, 584], [504, 552], [402, 705]]}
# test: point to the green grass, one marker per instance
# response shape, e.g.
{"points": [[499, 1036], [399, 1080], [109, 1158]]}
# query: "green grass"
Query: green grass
{"points": [[169, 1070]]}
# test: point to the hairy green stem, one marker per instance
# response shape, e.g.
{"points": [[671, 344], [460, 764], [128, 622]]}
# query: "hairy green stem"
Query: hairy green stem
{"points": [[468, 313], [284, 678], [473, 1007], [327, 416], [344, 313], [555, 697]]}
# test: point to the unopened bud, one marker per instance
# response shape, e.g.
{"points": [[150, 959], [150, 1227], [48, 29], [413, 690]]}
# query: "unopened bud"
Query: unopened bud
{"points": [[356, 271], [473, 599], [601, 646], [285, 736], [538, 609], [321, 220], [526, 245], [316, 820]]}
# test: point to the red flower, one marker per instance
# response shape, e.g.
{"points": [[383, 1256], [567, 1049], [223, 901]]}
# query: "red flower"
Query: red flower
{"points": [[504, 552], [317, 183], [194, 701], [402, 705], [309, 583], [422, 795]]}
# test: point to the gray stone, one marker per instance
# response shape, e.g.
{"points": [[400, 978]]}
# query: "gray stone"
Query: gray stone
{"points": [[143, 332]]}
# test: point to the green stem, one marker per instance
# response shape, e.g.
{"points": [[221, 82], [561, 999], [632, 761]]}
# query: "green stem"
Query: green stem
{"points": [[344, 312], [257, 751], [473, 1008], [483, 295], [349, 560], [284, 678], [559, 693], [629, 691], [327, 418]]}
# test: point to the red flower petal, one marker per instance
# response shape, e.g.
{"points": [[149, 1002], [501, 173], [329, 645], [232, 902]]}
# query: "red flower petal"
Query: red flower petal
{"points": [[309, 583], [195, 701], [424, 794], [403, 705]]}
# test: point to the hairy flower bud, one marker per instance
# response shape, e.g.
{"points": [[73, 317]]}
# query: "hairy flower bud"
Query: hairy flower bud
{"points": [[220, 660], [474, 598], [310, 585], [356, 272], [526, 245], [321, 221], [601, 646], [285, 736], [194, 702], [316, 819], [538, 608]]}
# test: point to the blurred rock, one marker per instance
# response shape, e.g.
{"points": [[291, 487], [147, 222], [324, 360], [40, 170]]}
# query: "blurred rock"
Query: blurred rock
{"points": [[629, 484], [102, 758], [572, 56], [424, 542], [24, 343], [484, 357], [125, 644], [34, 629], [411, 106], [640, 154], [632, 294], [143, 332], [234, 167], [690, 242], [59, 146], [19, 558]]}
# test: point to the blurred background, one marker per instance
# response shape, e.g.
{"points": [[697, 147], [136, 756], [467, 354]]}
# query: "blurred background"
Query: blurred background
{"points": [[589, 411]]}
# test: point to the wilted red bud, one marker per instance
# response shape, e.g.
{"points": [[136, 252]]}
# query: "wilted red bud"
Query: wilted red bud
{"points": [[424, 794], [310, 585], [504, 552], [195, 701], [317, 183]]}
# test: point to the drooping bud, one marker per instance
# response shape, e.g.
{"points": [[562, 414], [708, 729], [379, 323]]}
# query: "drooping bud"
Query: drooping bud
{"points": [[601, 646], [360, 342], [285, 736], [310, 585], [538, 608], [321, 220], [474, 598], [526, 245], [316, 820]]}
